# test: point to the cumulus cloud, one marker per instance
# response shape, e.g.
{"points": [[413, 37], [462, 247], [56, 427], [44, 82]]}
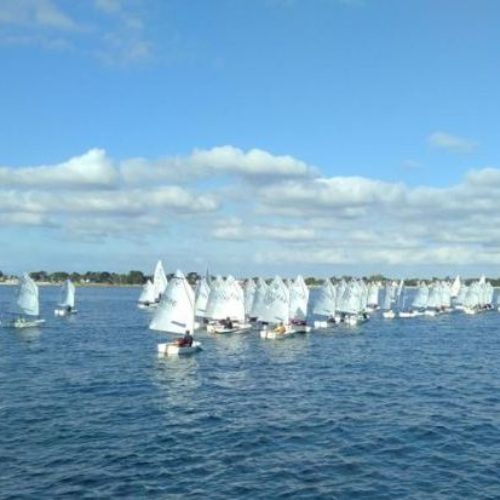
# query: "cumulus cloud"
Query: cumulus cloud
{"points": [[90, 170], [451, 143], [236, 229], [297, 216], [112, 31], [41, 13], [255, 164]]}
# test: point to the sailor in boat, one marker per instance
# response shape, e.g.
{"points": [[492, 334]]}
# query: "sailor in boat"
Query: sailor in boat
{"points": [[227, 323], [280, 329], [68, 309], [186, 341]]}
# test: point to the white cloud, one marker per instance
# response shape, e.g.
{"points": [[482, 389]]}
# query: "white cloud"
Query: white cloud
{"points": [[297, 216], [452, 143], [255, 164], [25, 219], [90, 170], [112, 31], [236, 229], [38, 13]]}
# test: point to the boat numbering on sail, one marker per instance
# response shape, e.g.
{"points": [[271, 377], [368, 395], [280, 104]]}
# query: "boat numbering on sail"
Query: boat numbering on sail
{"points": [[26, 307], [175, 314], [66, 305]]}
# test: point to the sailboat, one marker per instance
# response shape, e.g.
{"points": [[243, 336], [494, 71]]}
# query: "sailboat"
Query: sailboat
{"points": [[276, 311], [147, 298], [175, 314], [325, 305], [388, 312], [299, 299], [227, 308], [26, 307], [152, 291], [66, 305]]}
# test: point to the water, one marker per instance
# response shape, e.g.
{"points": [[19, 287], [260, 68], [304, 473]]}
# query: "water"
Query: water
{"points": [[401, 409]]}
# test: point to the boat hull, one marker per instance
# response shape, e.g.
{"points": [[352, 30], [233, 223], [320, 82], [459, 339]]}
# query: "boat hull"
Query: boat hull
{"points": [[23, 323], [274, 335], [224, 331], [63, 312], [172, 349]]}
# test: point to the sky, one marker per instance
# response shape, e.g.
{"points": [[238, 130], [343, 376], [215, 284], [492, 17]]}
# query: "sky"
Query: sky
{"points": [[252, 137]]}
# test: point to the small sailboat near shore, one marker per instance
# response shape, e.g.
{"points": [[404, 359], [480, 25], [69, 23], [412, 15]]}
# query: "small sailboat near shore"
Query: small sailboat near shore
{"points": [[66, 305], [26, 306]]}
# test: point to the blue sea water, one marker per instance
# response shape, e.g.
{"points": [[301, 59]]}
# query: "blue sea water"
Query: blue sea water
{"points": [[391, 409]]}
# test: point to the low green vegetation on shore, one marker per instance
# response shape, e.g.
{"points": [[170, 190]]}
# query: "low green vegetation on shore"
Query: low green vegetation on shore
{"points": [[135, 277]]}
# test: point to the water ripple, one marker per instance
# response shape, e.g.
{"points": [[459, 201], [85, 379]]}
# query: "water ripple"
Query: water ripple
{"points": [[388, 410]]}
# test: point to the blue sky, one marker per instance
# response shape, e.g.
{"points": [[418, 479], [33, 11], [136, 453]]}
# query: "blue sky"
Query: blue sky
{"points": [[254, 136]]}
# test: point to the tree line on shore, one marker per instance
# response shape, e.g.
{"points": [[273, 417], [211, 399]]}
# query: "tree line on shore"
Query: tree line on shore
{"points": [[135, 277]]}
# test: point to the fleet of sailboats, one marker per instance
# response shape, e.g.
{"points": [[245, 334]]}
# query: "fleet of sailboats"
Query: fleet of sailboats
{"points": [[276, 309]]}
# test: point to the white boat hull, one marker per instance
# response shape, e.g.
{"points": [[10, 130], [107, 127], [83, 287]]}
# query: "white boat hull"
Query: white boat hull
{"points": [[64, 312], [222, 330], [300, 328], [172, 349], [409, 314], [23, 323], [147, 306], [389, 314], [274, 335]]}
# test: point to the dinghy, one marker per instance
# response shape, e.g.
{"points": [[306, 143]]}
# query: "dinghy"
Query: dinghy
{"points": [[325, 305], [175, 314], [226, 307], [299, 298], [66, 305], [147, 299], [26, 307], [275, 311], [152, 291]]}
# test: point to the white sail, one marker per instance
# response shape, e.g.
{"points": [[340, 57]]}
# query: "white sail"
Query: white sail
{"points": [[299, 297], [258, 300], [217, 300], [276, 306], [159, 281], [148, 293], [325, 303], [352, 299], [455, 287], [236, 299], [421, 297], [434, 299], [388, 295], [373, 292], [201, 298], [67, 294], [249, 292], [175, 314], [27, 296]]}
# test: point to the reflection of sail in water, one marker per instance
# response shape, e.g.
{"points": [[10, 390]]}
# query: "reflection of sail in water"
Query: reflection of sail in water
{"points": [[289, 351], [229, 345], [29, 335], [178, 378]]}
